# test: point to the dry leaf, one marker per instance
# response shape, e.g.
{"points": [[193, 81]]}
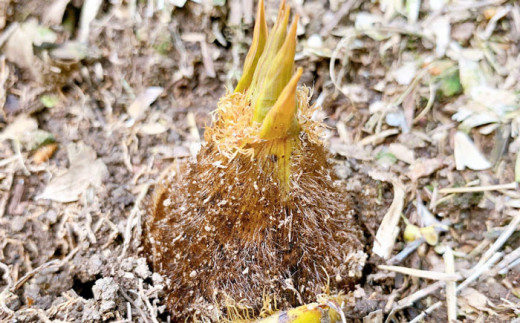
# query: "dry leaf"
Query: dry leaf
{"points": [[471, 300], [402, 152], [467, 154], [424, 167], [85, 170], [18, 48], [70, 51], [470, 74], [19, 128], [351, 151], [404, 75], [143, 101], [388, 231], [152, 129]]}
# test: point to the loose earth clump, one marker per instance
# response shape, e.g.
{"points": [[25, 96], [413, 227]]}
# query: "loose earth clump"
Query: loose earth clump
{"points": [[258, 215]]}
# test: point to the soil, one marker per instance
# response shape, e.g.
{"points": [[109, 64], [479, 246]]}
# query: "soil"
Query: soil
{"points": [[74, 253]]}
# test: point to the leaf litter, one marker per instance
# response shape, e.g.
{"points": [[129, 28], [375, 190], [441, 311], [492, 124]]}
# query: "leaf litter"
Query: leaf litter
{"points": [[85, 170], [420, 93]]}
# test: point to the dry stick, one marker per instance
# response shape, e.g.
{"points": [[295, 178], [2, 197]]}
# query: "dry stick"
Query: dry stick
{"points": [[410, 247], [346, 40], [501, 240], [476, 273], [508, 259], [140, 310], [146, 301], [429, 104], [129, 311], [483, 265], [410, 299], [8, 161], [53, 263], [8, 32], [3, 201], [130, 222], [7, 277], [375, 137], [434, 275], [207, 60], [38, 311], [478, 270], [509, 267], [451, 286], [450, 190]]}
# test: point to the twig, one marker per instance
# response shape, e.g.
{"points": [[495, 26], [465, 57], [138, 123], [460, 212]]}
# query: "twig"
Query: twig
{"points": [[207, 60], [53, 263], [151, 310], [410, 247], [7, 277], [8, 32], [39, 312], [5, 197], [450, 190], [346, 41], [501, 239], [435, 275], [477, 272], [429, 105], [451, 286], [140, 310], [7, 161], [18, 153], [508, 259], [410, 299], [375, 137], [131, 219], [410, 87], [509, 267]]}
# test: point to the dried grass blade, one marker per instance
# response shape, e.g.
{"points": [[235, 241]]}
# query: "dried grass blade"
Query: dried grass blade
{"points": [[434, 275]]}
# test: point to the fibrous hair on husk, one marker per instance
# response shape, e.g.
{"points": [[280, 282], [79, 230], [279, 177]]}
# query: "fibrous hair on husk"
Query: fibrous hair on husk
{"points": [[226, 228]]}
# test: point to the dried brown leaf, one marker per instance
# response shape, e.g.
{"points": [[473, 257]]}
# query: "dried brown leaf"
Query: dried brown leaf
{"points": [[85, 170]]}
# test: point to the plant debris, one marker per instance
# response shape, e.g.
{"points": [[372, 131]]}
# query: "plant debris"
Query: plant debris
{"points": [[420, 93]]}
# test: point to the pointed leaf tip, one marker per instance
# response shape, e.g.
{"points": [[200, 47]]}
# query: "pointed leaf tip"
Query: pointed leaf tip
{"points": [[275, 40], [280, 121], [276, 75], [255, 51]]}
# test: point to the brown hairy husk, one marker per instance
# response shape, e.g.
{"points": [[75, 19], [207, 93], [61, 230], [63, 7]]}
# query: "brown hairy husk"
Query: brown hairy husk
{"points": [[226, 229]]}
